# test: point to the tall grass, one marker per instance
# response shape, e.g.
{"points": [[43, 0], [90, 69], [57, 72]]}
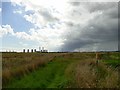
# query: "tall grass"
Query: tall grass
{"points": [[50, 76], [90, 75], [70, 70], [85, 74], [16, 65]]}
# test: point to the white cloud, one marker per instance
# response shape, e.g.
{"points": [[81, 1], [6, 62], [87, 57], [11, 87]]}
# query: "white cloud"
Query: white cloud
{"points": [[46, 18], [0, 9], [6, 29], [23, 44], [48, 38], [53, 12], [57, 21], [44, 12], [17, 11], [23, 35], [45, 37]]}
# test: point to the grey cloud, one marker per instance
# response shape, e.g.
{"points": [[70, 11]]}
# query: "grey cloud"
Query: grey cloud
{"points": [[70, 24], [119, 26], [99, 6], [112, 13], [104, 28], [72, 44], [101, 30], [74, 3], [47, 15]]}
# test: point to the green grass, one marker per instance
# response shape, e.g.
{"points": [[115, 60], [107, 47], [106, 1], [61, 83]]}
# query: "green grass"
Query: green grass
{"points": [[112, 59], [50, 76], [16, 65], [69, 70], [114, 63]]}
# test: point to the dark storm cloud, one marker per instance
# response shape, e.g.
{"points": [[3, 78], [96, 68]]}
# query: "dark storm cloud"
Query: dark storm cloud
{"points": [[102, 29], [119, 26], [72, 44]]}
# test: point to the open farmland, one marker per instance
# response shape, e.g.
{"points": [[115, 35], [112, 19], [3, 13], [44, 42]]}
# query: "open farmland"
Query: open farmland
{"points": [[60, 70]]}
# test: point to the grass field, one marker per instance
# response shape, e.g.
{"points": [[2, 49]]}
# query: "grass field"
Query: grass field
{"points": [[60, 70]]}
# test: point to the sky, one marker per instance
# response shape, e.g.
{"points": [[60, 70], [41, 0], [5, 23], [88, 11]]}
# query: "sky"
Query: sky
{"points": [[59, 25]]}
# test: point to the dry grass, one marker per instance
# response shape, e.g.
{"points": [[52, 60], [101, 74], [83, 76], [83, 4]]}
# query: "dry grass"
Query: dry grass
{"points": [[20, 64], [90, 75], [85, 75], [83, 71], [111, 80]]}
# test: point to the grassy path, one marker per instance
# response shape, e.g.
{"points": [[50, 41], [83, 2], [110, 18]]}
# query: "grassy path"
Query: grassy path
{"points": [[50, 76]]}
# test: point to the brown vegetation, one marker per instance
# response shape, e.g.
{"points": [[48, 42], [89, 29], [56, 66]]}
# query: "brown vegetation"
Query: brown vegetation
{"points": [[90, 75], [82, 70], [19, 64]]}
